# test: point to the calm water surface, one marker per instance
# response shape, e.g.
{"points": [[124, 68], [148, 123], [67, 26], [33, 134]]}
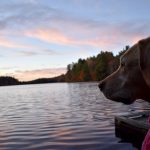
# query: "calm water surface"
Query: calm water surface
{"points": [[60, 116]]}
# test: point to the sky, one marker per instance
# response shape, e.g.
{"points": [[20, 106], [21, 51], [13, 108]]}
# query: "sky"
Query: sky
{"points": [[39, 38]]}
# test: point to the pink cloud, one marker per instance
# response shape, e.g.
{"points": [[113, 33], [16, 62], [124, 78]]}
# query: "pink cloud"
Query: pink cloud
{"points": [[58, 37], [49, 35], [39, 73], [79, 33], [104, 38], [6, 42]]}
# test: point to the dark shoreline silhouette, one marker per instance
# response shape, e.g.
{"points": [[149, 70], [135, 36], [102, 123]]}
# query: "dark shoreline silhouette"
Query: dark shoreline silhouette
{"points": [[7, 81]]}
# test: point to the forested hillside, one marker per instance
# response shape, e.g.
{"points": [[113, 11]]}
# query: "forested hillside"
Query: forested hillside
{"points": [[8, 81], [94, 68]]}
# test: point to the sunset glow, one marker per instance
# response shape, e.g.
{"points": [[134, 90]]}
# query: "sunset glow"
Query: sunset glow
{"points": [[40, 38]]}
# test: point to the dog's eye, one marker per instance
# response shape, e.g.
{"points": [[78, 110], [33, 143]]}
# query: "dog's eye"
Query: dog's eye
{"points": [[122, 64]]}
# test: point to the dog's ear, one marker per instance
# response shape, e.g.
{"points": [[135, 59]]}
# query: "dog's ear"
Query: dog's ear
{"points": [[144, 58]]}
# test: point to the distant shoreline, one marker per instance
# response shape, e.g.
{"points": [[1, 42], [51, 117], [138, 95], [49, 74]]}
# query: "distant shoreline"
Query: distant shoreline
{"points": [[49, 83], [9, 81], [91, 69]]}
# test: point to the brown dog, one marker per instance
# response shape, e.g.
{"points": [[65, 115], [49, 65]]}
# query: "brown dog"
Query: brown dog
{"points": [[132, 79]]}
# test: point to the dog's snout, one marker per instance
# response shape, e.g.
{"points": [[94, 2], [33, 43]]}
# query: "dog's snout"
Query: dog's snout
{"points": [[101, 85]]}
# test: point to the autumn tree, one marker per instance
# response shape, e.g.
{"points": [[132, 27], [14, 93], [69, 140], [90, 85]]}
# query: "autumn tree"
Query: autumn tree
{"points": [[94, 68]]}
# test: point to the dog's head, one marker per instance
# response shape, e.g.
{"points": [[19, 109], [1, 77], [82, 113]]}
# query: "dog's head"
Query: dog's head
{"points": [[127, 83]]}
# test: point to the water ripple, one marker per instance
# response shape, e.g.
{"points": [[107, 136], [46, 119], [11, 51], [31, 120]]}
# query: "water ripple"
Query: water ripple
{"points": [[60, 117]]}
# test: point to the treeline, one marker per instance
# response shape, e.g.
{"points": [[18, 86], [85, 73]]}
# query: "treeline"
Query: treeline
{"points": [[60, 78], [4, 80], [94, 68]]}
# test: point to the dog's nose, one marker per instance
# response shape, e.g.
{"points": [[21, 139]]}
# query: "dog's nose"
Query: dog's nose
{"points": [[101, 85]]}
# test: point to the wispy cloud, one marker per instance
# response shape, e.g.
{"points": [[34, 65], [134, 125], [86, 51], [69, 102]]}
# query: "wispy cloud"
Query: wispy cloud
{"points": [[49, 35], [96, 34], [27, 53], [38, 51], [7, 43], [51, 52], [8, 68]]}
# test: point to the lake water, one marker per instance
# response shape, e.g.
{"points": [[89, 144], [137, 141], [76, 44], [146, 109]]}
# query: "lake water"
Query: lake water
{"points": [[60, 116]]}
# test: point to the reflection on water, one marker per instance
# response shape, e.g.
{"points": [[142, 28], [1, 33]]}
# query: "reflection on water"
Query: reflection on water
{"points": [[61, 117]]}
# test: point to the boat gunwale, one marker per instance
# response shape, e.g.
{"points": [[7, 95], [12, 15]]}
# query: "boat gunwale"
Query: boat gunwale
{"points": [[130, 121]]}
